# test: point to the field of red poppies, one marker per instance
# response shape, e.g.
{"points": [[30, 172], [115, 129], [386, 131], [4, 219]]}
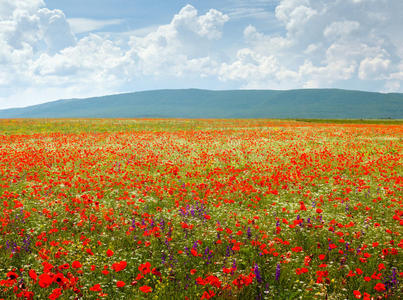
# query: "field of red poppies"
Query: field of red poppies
{"points": [[200, 209]]}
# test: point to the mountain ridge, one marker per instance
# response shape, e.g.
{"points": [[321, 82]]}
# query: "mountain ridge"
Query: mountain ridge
{"points": [[200, 103]]}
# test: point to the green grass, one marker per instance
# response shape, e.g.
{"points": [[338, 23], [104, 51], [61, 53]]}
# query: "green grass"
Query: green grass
{"points": [[354, 121]]}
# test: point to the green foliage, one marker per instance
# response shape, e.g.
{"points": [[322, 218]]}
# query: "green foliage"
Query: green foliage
{"points": [[194, 103]]}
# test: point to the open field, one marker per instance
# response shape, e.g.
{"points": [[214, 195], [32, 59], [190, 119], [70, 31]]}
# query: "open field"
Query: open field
{"points": [[199, 209], [354, 121]]}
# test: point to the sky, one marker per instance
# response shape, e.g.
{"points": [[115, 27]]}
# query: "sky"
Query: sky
{"points": [[60, 49]]}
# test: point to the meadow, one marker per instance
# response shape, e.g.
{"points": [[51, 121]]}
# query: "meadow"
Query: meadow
{"points": [[200, 209]]}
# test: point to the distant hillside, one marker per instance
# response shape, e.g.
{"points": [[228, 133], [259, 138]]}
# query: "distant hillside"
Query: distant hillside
{"points": [[194, 103]]}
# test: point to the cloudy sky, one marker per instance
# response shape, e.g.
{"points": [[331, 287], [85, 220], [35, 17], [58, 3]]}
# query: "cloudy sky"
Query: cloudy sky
{"points": [[53, 49]]}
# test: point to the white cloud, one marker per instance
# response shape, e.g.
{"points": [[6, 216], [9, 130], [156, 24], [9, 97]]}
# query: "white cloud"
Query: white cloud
{"points": [[7, 7], [42, 62], [140, 32], [27, 29], [325, 42], [43, 30], [248, 12], [176, 48], [373, 67], [294, 14], [54, 30], [392, 86], [82, 25], [340, 29], [208, 25], [93, 57]]}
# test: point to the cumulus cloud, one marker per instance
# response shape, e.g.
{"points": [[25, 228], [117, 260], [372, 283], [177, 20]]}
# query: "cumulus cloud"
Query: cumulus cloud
{"points": [[7, 8], [208, 25], [294, 14], [373, 67], [340, 29], [325, 42], [42, 30], [28, 29], [180, 46], [38, 46]]}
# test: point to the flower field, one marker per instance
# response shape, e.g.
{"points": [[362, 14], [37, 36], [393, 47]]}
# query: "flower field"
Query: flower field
{"points": [[200, 209]]}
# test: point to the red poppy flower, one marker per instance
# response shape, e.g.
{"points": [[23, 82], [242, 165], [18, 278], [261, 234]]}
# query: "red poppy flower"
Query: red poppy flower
{"points": [[56, 293], [242, 280], [200, 280], [300, 271], [332, 246], [119, 266], [60, 279], [156, 272], [105, 272], [351, 274], [120, 284], [145, 268], [109, 252], [45, 280], [193, 251], [96, 288], [33, 275], [357, 294], [64, 267], [12, 275], [207, 295], [367, 296], [146, 289], [76, 264], [380, 287], [47, 267]]}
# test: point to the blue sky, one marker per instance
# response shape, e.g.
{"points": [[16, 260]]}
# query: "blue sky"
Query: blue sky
{"points": [[69, 48]]}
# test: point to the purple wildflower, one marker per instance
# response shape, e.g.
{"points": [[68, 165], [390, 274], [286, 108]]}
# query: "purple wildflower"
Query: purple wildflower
{"points": [[278, 271]]}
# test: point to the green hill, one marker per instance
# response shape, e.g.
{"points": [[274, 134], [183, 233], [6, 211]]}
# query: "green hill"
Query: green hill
{"points": [[195, 103]]}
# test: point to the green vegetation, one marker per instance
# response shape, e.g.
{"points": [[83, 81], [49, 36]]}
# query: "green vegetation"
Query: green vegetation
{"points": [[354, 121], [194, 103]]}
